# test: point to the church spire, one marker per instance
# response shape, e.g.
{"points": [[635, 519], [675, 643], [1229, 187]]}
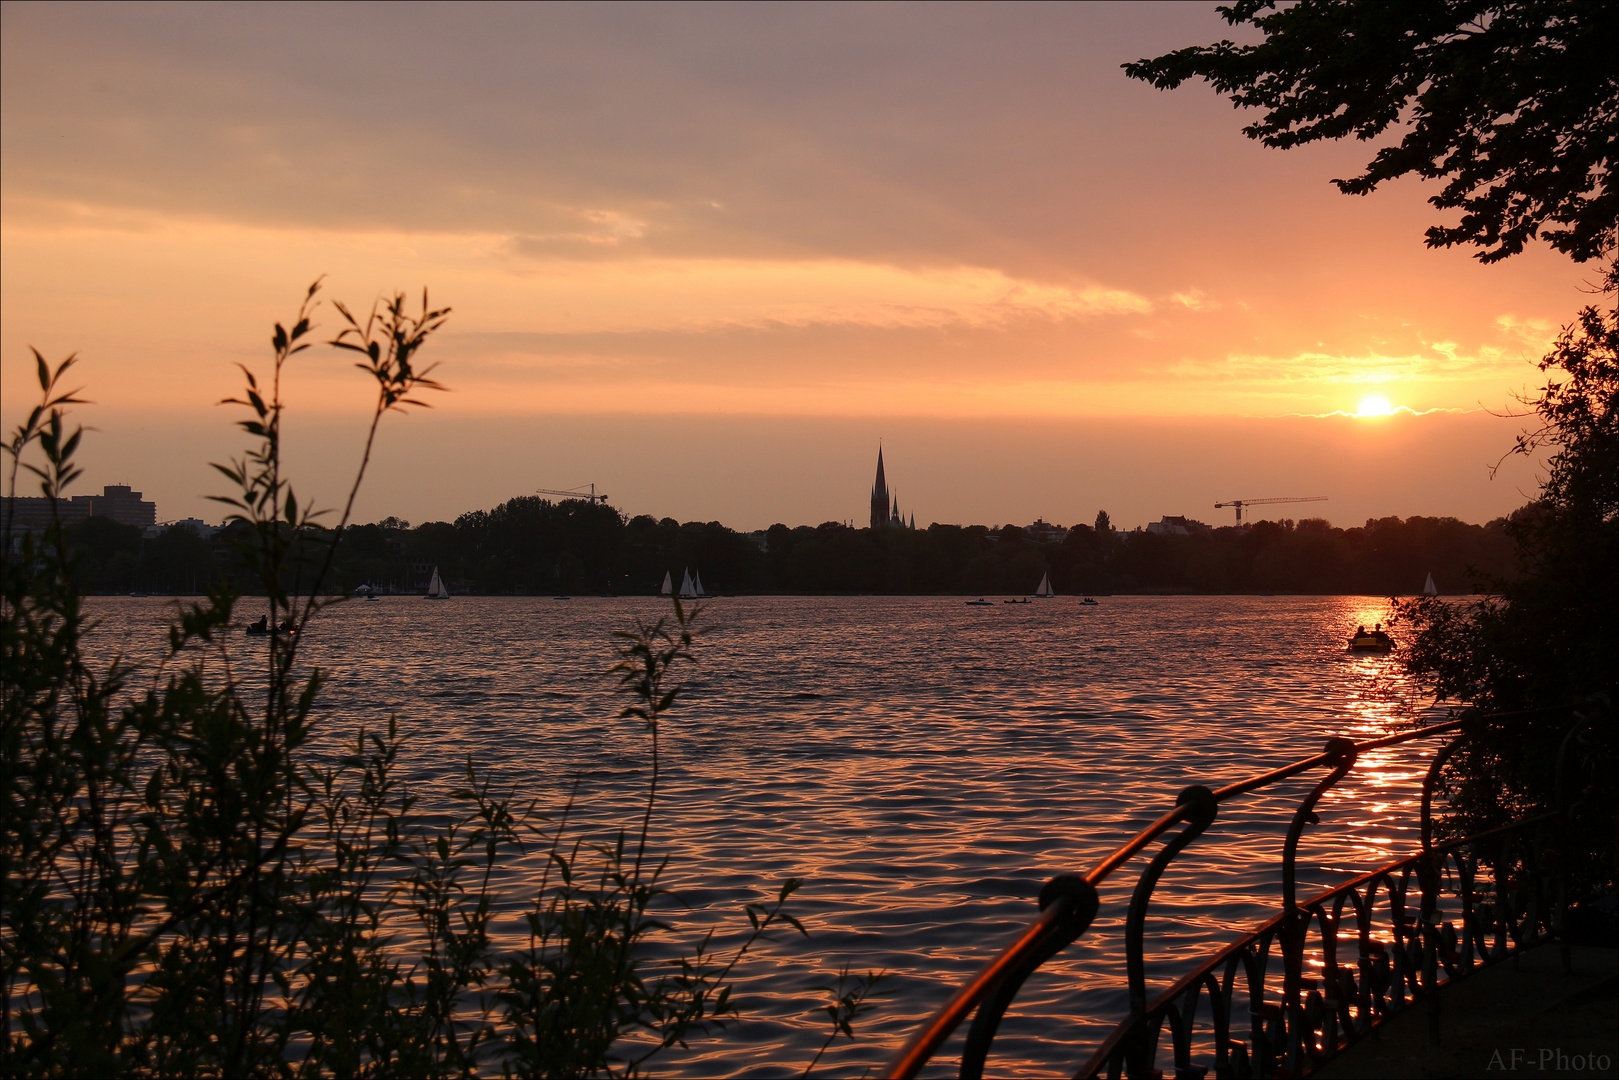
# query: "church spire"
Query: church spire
{"points": [[879, 495]]}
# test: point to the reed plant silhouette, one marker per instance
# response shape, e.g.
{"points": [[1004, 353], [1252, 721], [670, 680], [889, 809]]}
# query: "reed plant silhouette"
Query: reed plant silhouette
{"points": [[191, 884]]}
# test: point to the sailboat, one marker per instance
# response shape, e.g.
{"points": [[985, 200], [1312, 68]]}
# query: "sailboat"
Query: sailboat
{"points": [[1045, 588], [697, 580], [668, 585], [1429, 588], [687, 589], [436, 589]]}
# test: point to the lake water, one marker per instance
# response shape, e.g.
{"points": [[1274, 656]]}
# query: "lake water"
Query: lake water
{"points": [[925, 765]]}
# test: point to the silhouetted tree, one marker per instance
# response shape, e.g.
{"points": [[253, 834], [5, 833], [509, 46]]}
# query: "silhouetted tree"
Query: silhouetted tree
{"points": [[177, 560], [1551, 635], [1554, 631], [108, 554], [1515, 106]]}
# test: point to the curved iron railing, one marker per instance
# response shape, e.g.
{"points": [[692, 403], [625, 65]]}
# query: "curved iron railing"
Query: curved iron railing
{"points": [[1308, 1017]]}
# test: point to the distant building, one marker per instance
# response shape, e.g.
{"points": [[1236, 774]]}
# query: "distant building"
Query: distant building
{"points": [[119, 502], [884, 511], [1178, 526], [116, 501], [25, 514], [1044, 532], [879, 496]]}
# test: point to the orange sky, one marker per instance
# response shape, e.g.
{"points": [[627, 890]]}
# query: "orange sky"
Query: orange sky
{"points": [[708, 256]]}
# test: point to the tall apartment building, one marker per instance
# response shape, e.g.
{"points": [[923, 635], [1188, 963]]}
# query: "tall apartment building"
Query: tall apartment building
{"points": [[119, 502], [116, 501]]}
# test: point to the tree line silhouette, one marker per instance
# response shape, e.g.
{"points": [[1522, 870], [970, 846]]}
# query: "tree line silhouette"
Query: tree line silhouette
{"points": [[530, 545]]}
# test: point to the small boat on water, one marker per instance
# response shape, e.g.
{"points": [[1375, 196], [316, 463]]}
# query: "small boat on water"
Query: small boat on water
{"points": [[980, 602], [668, 585], [1376, 640], [1088, 601], [436, 589], [1045, 589], [1429, 588], [262, 628], [1024, 600]]}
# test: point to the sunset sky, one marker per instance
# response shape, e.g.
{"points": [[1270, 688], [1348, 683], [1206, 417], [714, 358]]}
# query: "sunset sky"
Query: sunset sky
{"points": [[707, 256]]}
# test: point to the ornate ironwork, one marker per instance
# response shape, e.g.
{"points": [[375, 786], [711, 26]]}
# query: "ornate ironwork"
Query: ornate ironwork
{"points": [[1322, 971]]}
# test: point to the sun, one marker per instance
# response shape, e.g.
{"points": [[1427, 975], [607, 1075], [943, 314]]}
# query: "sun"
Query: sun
{"points": [[1374, 406]]}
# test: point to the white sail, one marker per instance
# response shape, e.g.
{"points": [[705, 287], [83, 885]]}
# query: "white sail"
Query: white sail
{"points": [[697, 580], [1429, 588], [1045, 588], [668, 585], [686, 588], [436, 589]]}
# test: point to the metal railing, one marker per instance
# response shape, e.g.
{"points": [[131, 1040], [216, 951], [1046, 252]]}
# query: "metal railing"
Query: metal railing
{"points": [[1309, 1017]]}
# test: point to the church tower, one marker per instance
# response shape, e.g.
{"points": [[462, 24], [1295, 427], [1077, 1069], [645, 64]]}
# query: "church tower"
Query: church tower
{"points": [[879, 496]]}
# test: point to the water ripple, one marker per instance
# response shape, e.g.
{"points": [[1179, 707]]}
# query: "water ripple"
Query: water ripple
{"points": [[926, 766]]}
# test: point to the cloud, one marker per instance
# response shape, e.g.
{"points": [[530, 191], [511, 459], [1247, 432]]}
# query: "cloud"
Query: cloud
{"points": [[1538, 333], [1397, 410], [1441, 361], [695, 294], [1000, 135], [1194, 300]]}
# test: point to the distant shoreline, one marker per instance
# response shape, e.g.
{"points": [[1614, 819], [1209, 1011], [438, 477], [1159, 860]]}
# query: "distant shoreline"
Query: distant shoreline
{"points": [[1160, 593]]}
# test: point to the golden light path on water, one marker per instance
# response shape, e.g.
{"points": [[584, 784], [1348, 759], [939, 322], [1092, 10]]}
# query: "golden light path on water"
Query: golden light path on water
{"points": [[925, 765]]}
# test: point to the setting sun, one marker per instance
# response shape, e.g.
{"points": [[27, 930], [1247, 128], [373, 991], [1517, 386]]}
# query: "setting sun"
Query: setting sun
{"points": [[1374, 406]]}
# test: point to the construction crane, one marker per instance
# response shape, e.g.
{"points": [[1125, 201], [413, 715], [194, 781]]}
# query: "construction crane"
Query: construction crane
{"points": [[1240, 503], [575, 493]]}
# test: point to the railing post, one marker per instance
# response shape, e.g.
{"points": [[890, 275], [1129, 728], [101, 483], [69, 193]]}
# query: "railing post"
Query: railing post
{"points": [[1202, 807], [1504, 938], [1466, 873], [1428, 938], [1341, 755], [1080, 902], [1295, 926], [1566, 808], [1431, 779]]}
